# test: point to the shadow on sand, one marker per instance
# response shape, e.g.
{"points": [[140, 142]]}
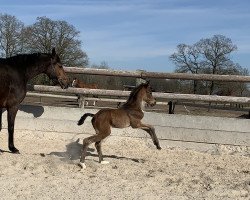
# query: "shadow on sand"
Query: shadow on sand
{"points": [[37, 111], [73, 152]]}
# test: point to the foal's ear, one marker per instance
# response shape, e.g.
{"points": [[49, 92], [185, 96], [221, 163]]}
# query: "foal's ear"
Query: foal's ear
{"points": [[53, 51], [147, 83]]}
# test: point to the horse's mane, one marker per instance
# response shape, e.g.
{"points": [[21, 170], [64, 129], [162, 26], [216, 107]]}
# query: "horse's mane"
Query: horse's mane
{"points": [[134, 93], [27, 56], [23, 58]]}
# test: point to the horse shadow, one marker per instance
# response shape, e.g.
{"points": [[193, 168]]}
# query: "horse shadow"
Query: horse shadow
{"points": [[244, 116], [73, 152], [37, 111]]}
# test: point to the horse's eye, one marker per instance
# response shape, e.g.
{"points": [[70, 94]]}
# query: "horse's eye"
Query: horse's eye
{"points": [[59, 65]]}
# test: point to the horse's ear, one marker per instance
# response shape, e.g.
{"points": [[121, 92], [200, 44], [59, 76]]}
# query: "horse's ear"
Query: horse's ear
{"points": [[53, 52]]}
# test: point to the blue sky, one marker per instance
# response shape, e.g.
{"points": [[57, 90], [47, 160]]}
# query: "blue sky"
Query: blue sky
{"points": [[141, 34]]}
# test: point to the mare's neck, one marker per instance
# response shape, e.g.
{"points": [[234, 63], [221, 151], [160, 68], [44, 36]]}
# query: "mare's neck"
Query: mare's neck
{"points": [[36, 68]]}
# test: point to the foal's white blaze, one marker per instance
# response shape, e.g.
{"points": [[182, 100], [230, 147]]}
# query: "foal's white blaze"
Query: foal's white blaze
{"points": [[143, 105], [73, 83], [104, 162], [83, 166]]}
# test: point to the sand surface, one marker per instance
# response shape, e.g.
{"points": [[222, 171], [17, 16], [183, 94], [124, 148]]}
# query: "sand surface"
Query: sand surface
{"points": [[47, 168]]}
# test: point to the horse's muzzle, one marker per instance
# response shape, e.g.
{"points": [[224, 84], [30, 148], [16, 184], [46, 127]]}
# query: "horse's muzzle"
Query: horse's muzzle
{"points": [[63, 83], [152, 103]]}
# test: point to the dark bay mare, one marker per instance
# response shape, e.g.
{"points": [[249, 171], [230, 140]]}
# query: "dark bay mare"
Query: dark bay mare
{"points": [[129, 114], [15, 72]]}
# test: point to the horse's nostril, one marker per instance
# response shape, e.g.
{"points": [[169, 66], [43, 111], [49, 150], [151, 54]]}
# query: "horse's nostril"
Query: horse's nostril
{"points": [[153, 103]]}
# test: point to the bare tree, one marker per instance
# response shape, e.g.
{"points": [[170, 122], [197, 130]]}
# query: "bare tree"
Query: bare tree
{"points": [[216, 52], [11, 36], [45, 34], [238, 88], [188, 60], [211, 56], [103, 65]]}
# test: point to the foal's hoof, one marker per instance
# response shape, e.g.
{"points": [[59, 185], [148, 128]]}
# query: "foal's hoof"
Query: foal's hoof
{"points": [[159, 148], [104, 162], [82, 165]]}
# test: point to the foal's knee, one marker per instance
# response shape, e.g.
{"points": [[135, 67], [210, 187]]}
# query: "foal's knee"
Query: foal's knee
{"points": [[86, 142], [152, 129]]}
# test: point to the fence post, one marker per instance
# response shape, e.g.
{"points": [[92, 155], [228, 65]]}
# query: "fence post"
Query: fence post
{"points": [[81, 101], [171, 107]]}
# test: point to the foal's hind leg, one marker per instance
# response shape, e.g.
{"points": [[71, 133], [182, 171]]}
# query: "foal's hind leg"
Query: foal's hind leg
{"points": [[98, 146], [86, 142], [89, 140]]}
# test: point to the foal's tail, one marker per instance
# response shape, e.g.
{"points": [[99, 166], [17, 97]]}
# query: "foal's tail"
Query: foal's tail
{"points": [[82, 119]]}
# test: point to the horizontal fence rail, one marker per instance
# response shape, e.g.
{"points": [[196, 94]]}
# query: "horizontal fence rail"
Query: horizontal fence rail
{"points": [[158, 75], [119, 93], [32, 94]]}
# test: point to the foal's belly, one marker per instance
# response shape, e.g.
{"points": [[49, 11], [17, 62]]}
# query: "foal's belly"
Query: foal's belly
{"points": [[119, 119]]}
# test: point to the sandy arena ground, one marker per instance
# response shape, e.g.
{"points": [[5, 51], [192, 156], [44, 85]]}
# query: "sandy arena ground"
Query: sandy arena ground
{"points": [[47, 169]]}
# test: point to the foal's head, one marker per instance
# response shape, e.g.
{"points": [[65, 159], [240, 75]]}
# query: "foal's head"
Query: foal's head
{"points": [[74, 82], [146, 93], [77, 83], [56, 72], [142, 92]]}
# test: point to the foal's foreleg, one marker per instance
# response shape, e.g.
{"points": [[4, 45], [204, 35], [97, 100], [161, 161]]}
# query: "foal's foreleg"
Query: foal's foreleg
{"points": [[151, 131]]}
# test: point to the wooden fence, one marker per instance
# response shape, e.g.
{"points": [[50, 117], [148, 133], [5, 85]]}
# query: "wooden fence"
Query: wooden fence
{"points": [[120, 93], [158, 75], [146, 75]]}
